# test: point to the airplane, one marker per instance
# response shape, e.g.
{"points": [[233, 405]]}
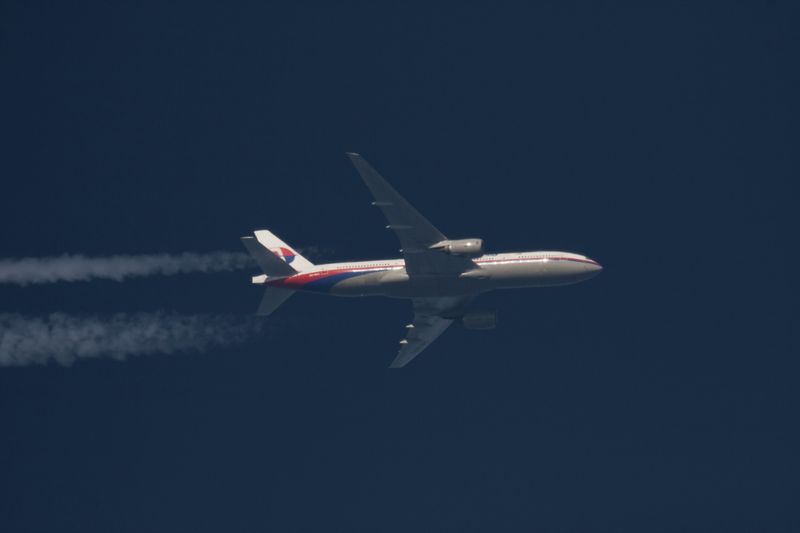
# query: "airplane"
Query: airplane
{"points": [[440, 276]]}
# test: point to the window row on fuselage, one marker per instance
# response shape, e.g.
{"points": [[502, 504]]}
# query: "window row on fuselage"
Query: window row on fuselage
{"points": [[489, 258]]}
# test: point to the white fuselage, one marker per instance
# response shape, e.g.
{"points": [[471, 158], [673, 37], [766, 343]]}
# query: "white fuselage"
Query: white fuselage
{"points": [[492, 271]]}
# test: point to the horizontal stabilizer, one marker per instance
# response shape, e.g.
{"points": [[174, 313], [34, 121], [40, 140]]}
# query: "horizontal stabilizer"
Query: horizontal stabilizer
{"points": [[273, 298], [270, 264]]}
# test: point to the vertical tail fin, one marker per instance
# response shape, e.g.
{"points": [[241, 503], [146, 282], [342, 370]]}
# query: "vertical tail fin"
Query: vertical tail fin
{"points": [[283, 250], [268, 262], [276, 259]]}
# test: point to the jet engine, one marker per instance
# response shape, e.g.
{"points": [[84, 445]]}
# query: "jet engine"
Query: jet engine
{"points": [[465, 247], [480, 320]]}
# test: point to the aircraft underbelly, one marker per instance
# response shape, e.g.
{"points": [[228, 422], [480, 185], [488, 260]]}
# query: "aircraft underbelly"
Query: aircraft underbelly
{"points": [[397, 283]]}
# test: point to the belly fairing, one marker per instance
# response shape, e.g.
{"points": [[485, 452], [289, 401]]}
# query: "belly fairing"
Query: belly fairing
{"points": [[397, 284]]}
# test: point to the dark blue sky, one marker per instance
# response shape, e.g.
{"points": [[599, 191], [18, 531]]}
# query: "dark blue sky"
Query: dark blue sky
{"points": [[660, 396]]}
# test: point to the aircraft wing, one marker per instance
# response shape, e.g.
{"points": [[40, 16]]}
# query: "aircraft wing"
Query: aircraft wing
{"points": [[415, 232], [428, 324]]}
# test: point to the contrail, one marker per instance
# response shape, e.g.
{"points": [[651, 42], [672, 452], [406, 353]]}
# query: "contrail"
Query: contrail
{"points": [[64, 338], [67, 267]]}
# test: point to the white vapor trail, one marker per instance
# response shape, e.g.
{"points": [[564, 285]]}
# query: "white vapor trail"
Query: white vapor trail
{"points": [[67, 267], [64, 338]]}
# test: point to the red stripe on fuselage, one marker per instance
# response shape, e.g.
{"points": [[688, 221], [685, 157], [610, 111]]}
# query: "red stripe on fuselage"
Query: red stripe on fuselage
{"points": [[298, 280], [575, 259]]}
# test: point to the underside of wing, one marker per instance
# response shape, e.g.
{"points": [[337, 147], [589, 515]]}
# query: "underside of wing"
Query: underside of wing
{"points": [[415, 232], [432, 316], [422, 332]]}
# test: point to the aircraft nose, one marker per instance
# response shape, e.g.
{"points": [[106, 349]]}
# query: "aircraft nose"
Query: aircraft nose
{"points": [[593, 268]]}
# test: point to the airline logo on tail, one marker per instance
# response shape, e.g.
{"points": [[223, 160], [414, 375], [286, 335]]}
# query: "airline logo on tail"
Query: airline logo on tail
{"points": [[284, 253]]}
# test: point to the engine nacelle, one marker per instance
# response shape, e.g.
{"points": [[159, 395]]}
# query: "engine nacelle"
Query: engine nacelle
{"points": [[480, 320], [465, 247]]}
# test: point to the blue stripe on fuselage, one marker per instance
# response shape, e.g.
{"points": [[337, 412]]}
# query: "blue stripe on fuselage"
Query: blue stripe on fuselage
{"points": [[325, 284]]}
